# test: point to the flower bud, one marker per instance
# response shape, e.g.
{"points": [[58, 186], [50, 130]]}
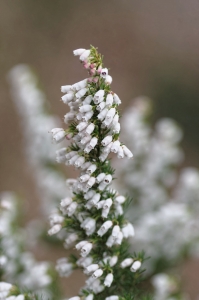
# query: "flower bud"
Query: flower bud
{"points": [[135, 266], [108, 280], [126, 263]]}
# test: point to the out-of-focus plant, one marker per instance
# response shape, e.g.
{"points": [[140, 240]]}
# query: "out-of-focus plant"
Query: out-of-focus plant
{"points": [[36, 120], [17, 265], [165, 201]]}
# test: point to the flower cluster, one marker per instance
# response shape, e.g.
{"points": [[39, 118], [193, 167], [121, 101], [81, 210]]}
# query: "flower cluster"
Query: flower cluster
{"points": [[16, 264], [164, 198], [36, 120], [93, 217]]}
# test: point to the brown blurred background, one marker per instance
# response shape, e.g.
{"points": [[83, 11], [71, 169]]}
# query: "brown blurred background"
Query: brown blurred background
{"points": [[151, 47]]}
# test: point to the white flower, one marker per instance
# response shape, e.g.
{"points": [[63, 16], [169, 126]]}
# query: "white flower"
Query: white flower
{"points": [[80, 85], [89, 194], [90, 128], [101, 106], [119, 238], [91, 169], [108, 79], [96, 198], [66, 88], [115, 147], [116, 99], [105, 227], [88, 115], [120, 199], [102, 114], [100, 177], [75, 298], [63, 267], [113, 260], [109, 99], [89, 297], [78, 52], [107, 149], [85, 250], [80, 161], [111, 113], [84, 55], [128, 230], [98, 97], [84, 261], [127, 152], [90, 182], [69, 117], [113, 297], [108, 202], [115, 231], [88, 99], [71, 209], [126, 263], [107, 140], [81, 93], [84, 178], [79, 245], [71, 239], [99, 204], [67, 98], [105, 212], [85, 108], [116, 128], [85, 139], [81, 126], [107, 179], [93, 142], [135, 266], [98, 273], [110, 241], [108, 280], [92, 268], [65, 202], [55, 229], [104, 72], [58, 135]]}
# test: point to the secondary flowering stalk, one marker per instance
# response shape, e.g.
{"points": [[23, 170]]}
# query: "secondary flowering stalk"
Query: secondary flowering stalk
{"points": [[93, 217]]}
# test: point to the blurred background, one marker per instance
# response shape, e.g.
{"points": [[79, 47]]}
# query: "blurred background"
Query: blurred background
{"points": [[151, 48]]}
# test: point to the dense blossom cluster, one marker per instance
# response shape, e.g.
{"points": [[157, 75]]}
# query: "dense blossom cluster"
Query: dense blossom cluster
{"points": [[16, 264], [93, 217], [163, 197], [36, 120]]}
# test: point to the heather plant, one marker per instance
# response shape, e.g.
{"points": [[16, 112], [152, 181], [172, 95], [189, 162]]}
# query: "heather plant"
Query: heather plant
{"points": [[92, 218], [18, 266]]}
